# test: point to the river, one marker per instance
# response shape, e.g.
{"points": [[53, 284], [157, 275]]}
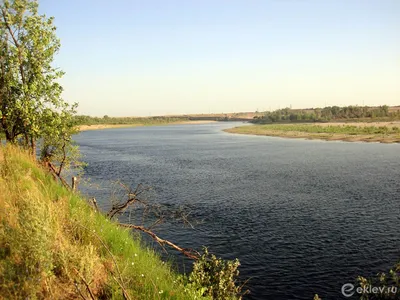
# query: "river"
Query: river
{"points": [[303, 217]]}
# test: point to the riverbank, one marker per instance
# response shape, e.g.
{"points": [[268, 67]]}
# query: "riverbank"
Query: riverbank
{"points": [[109, 126], [382, 132], [55, 246]]}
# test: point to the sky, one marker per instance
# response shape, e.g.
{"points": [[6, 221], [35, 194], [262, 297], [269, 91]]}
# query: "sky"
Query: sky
{"points": [[147, 58]]}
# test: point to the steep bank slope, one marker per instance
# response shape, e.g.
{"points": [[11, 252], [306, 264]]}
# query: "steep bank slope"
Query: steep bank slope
{"points": [[54, 246]]}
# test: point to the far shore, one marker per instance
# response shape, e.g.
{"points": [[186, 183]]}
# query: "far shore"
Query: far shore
{"points": [[108, 126], [326, 131]]}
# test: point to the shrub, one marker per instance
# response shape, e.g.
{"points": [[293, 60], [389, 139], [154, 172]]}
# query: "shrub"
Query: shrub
{"points": [[389, 284], [216, 277]]}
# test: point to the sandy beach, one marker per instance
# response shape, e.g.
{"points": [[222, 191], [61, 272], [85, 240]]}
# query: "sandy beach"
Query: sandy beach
{"points": [[108, 126]]}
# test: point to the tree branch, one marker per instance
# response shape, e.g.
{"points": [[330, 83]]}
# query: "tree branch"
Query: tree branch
{"points": [[185, 251], [21, 68], [86, 284], [54, 171], [132, 198], [64, 157]]}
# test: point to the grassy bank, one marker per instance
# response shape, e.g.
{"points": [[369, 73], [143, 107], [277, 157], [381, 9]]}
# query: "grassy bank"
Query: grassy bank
{"points": [[386, 132], [54, 246], [88, 120]]}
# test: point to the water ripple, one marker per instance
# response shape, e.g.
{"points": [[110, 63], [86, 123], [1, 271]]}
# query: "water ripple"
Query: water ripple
{"points": [[303, 217]]}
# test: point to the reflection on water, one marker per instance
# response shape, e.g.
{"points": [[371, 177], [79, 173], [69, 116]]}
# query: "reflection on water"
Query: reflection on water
{"points": [[303, 217]]}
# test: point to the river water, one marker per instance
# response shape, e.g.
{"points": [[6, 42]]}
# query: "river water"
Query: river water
{"points": [[303, 217]]}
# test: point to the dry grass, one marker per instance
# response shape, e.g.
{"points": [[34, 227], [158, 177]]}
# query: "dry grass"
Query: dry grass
{"points": [[54, 246], [39, 259]]}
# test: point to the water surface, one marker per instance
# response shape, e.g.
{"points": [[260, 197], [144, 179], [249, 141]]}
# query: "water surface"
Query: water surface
{"points": [[303, 217]]}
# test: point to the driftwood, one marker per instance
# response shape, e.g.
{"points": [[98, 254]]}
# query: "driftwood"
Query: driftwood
{"points": [[136, 197], [132, 199], [187, 252], [120, 208]]}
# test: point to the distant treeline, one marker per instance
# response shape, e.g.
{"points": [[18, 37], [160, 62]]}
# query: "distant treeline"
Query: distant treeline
{"points": [[330, 113], [88, 120]]}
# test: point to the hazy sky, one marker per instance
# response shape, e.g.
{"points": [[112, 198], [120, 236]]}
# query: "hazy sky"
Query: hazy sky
{"points": [[126, 57]]}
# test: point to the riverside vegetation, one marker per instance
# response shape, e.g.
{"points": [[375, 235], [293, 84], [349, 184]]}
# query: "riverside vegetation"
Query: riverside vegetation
{"points": [[350, 123], [52, 244], [379, 132], [55, 246], [330, 113], [81, 120]]}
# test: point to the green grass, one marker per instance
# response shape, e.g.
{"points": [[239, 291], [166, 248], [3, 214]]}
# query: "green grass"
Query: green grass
{"points": [[52, 242], [340, 129], [144, 121], [383, 134]]}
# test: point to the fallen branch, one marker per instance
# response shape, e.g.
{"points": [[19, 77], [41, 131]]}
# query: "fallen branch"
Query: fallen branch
{"points": [[55, 173], [187, 252], [136, 199], [79, 291], [86, 284], [132, 198]]}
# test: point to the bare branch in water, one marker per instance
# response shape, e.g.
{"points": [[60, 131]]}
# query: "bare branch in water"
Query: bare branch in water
{"points": [[119, 208], [185, 251]]}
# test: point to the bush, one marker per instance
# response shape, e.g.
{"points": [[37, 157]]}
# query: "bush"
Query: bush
{"points": [[389, 284], [215, 277]]}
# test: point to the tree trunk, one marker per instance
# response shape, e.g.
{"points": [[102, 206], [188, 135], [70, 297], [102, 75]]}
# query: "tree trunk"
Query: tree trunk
{"points": [[33, 147], [26, 145], [10, 137]]}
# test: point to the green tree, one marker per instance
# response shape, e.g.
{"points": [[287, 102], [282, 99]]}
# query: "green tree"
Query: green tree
{"points": [[31, 106]]}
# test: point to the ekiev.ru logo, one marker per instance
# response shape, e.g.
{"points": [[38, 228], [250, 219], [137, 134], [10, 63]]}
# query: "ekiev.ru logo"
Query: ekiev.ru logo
{"points": [[349, 289]]}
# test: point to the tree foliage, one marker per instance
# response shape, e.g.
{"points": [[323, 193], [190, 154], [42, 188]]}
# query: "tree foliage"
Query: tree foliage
{"points": [[88, 120], [31, 106], [30, 96], [327, 114]]}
